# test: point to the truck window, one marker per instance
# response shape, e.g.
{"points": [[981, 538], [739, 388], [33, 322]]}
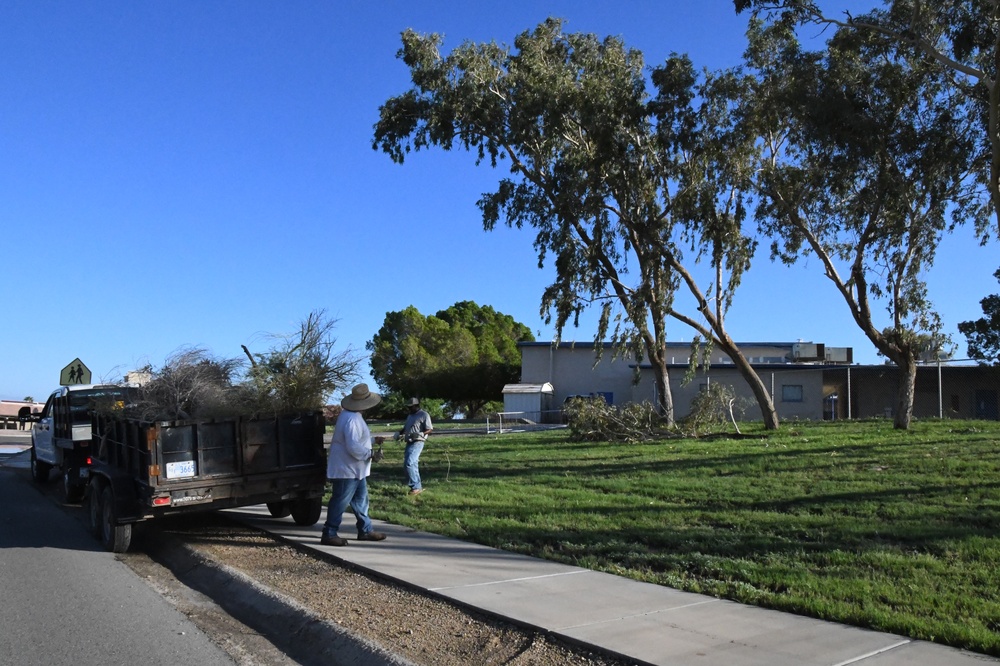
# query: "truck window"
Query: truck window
{"points": [[82, 403]]}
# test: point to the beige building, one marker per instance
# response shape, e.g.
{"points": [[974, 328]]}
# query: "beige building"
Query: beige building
{"points": [[12, 410], [807, 381]]}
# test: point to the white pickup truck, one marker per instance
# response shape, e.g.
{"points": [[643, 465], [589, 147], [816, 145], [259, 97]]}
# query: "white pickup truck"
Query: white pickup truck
{"points": [[61, 435]]}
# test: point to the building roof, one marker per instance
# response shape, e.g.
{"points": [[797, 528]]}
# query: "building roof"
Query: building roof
{"points": [[9, 408], [529, 388]]}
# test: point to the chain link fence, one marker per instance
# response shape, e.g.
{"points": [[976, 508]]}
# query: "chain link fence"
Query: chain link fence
{"points": [[957, 389]]}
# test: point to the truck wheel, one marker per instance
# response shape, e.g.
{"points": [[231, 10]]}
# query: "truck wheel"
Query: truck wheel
{"points": [[279, 509], [94, 508], [39, 469], [115, 537], [306, 511], [72, 490]]}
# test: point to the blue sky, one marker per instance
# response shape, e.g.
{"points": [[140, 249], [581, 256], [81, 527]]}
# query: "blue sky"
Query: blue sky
{"points": [[187, 173]]}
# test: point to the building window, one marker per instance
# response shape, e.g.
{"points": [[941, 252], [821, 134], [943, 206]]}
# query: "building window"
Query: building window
{"points": [[791, 393]]}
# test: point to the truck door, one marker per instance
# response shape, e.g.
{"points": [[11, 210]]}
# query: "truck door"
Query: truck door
{"points": [[42, 436]]}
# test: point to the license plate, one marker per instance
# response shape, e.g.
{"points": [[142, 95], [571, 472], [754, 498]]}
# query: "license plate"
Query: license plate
{"points": [[180, 470]]}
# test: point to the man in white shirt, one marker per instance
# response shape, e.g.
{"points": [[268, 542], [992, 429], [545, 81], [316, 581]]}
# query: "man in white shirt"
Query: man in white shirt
{"points": [[348, 467]]}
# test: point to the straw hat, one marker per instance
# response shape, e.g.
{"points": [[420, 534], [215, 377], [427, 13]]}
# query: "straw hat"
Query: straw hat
{"points": [[360, 399]]}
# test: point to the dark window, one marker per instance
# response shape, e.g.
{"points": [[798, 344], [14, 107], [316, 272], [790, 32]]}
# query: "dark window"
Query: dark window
{"points": [[791, 393]]}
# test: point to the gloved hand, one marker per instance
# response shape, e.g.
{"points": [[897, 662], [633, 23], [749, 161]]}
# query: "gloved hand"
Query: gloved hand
{"points": [[377, 454]]}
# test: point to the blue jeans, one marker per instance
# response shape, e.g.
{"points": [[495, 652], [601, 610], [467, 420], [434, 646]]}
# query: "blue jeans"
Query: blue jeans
{"points": [[353, 492], [411, 461]]}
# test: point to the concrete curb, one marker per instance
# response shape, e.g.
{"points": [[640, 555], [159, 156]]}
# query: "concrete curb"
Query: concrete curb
{"points": [[303, 635]]}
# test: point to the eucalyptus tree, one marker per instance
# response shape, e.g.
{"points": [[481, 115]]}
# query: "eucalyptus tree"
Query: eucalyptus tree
{"points": [[617, 184], [869, 161], [957, 39]]}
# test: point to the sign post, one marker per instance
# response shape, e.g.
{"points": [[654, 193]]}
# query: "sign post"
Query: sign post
{"points": [[74, 373]]}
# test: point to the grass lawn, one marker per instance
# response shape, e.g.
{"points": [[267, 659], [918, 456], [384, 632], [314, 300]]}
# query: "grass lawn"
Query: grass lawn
{"points": [[851, 521]]}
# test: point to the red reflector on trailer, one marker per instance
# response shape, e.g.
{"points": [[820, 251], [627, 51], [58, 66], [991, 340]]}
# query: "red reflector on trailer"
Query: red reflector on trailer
{"points": [[161, 501], [89, 461]]}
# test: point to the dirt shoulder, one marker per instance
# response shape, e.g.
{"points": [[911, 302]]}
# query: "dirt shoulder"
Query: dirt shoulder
{"points": [[419, 627]]}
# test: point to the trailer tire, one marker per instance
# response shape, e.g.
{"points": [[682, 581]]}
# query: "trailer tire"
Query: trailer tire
{"points": [[115, 537], [72, 492], [39, 470], [279, 509], [94, 507], [307, 511]]}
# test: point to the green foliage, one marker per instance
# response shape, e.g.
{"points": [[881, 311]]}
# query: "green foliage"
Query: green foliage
{"points": [[297, 374], [868, 163], [463, 355], [593, 420], [394, 407], [712, 408], [983, 334], [957, 41], [487, 408], [626, 192], [302, 369], [853, 522]]}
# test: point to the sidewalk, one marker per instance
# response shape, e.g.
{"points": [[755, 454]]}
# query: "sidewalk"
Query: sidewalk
{"points": [[645, 622]]}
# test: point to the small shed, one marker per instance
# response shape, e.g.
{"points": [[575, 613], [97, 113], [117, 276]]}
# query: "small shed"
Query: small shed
{"points": [[532, 402]]}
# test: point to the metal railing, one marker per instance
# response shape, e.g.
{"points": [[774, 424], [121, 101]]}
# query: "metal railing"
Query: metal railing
{"points": [[502, 422]]}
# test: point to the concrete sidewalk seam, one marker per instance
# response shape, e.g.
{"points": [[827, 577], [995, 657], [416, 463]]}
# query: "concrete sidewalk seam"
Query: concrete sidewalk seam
{"points": [[874, 653], [658, 611], [507, 580]]}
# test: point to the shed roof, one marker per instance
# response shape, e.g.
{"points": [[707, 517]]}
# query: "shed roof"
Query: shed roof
{"points": [[529, 388]]}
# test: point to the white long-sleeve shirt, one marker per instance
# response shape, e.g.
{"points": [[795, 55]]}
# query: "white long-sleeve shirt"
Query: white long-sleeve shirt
{"points": [[351, 449]]}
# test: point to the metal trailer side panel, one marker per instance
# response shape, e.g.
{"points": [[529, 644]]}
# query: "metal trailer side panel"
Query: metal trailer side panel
{"points": [[204, 464]]}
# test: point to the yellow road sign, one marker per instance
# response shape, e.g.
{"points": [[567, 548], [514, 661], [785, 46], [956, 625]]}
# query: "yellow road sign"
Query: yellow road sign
{"points": [[74, 373]]}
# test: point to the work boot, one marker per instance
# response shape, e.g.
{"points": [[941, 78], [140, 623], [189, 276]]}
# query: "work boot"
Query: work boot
{"points": [[333, 541], [371, 536]]}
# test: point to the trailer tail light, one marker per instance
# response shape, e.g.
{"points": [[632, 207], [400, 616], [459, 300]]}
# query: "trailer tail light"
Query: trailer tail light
{"points": [[161, 501], [89, 461]]}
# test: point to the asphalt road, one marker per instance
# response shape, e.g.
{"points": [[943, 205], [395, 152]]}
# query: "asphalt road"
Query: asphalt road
{"points": [[65, 600]]}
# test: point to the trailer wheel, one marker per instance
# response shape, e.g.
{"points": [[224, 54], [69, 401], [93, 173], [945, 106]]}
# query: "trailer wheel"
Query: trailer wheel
{"points": [[307, 511], [72, 489], [115, 537], [39, 470], [279, 509], [94, 507]]}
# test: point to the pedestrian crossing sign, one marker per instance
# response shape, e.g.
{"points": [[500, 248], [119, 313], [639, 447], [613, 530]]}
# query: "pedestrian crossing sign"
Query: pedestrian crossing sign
{"points": [[74, 373]]}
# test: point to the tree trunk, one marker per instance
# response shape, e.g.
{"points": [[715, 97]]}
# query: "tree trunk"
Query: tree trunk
{"points": [[664, 397], [760, 392], [905, 392]]}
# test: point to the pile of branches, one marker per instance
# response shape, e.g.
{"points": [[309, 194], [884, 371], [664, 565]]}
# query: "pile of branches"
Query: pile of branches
{"points": [[296, 375], [712, 411], [596, 421]]}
